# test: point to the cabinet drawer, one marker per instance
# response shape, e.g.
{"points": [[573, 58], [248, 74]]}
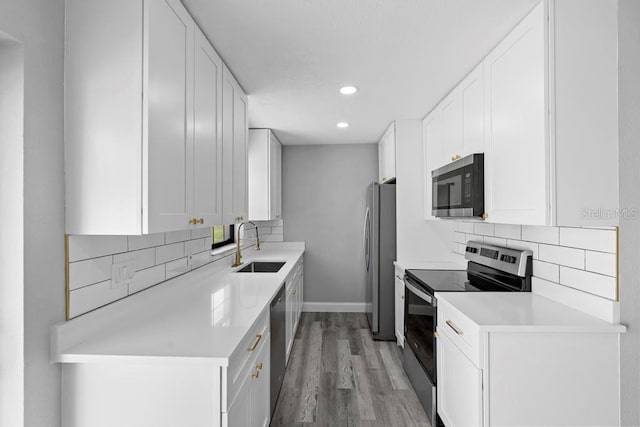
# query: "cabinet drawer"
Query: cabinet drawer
{"points": [[245, 354], [461, 330]]}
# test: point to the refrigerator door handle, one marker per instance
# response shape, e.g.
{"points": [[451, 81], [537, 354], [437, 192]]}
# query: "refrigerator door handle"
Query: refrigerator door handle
{"points": [[365, 238]]}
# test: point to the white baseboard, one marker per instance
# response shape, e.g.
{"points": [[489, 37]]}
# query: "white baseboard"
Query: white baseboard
{"points": [[337, 307]]}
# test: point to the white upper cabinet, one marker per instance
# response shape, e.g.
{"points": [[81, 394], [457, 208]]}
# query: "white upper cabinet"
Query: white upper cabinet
{"points": [[142, 116], [207, 133], [387, 154], [516, 114], [472, 112], [235, 135], [265, 183], [452, 144], [542, 106]]}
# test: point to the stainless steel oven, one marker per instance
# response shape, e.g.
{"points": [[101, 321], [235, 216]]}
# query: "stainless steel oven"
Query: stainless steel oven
{"points": [[458, 188], [490, 268]]}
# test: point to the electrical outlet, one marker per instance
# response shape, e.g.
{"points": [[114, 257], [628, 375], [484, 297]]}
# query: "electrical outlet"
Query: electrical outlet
{"points": [[122, 273], [190, 257]]}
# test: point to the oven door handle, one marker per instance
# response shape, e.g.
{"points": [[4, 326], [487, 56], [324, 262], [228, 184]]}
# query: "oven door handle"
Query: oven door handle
{"points": [[418, 292]]}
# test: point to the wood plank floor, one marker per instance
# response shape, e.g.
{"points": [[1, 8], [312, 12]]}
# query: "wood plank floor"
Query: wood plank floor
{"points": [[339, 376]]}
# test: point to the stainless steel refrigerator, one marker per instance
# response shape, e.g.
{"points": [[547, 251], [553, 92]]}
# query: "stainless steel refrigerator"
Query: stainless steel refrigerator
{"points": [[379, 255]]}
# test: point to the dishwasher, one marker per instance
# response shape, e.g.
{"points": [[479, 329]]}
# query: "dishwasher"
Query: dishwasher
{"points": [[278, 344]]}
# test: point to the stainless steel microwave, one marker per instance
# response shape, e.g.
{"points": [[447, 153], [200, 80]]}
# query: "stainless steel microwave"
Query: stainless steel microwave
{"points": [[458, 188]]}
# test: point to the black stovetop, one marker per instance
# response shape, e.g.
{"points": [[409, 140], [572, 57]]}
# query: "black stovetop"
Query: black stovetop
{"points": [[442, 280]]}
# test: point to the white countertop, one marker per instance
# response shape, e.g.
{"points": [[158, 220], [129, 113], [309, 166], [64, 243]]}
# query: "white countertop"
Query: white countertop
{"points": [[199, 317], [523, 311]]}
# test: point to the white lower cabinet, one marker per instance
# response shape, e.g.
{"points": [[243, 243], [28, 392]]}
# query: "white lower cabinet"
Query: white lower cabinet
{"points": [[534, 363], [294, 302], [399, 306], [459, 386], [251, 405]]}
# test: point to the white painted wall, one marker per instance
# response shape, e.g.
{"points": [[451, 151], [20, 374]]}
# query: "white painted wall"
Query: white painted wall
{"points": [[38, 26], [323, 204], [629, 149], [11, 236]]}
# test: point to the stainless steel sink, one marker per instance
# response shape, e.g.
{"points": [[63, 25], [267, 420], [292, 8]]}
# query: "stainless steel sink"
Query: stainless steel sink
{"points": [[262, 267]]}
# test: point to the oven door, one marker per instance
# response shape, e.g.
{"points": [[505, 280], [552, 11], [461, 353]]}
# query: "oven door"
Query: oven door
{"points": [[420, 326], [419, 356]]}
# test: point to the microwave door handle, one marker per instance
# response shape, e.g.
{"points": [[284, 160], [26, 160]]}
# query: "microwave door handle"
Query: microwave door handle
{"points": [[419, 293]]}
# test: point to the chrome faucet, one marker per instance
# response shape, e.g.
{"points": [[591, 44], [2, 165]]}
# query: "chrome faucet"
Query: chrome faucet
{"points": [[238, 260]]}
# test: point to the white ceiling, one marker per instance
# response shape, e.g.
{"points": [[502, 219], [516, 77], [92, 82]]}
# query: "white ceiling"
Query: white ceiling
{"points": [[292, 56]]}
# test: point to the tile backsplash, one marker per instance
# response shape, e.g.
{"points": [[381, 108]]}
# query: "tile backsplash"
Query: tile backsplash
{"points": [[575, 266], [154, 257]]}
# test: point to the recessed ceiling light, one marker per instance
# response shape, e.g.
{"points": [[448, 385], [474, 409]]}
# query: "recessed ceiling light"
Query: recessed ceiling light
{"points": [[343, 125], [348, 90]]}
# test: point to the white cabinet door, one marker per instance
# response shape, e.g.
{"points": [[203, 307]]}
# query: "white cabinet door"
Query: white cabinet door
{"points": [[459, 386], [517, 189], [399, 311], [472, 114], [387, 155], [289, 316], [234, 150], [452, 144], [170, 111], [259, 390], [275, 177], [239, 414], [432, 154], [207, 140]]}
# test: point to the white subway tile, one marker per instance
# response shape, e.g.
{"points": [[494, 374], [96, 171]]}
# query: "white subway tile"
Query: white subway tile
{"points": [[497, 241], [146, 278], [194, 246], [278, 231], [177, 267], [597, 284], [248, 233], [593, 305], [509, 231], [484, 228], [263, 231], [201, 258], [546, 271], [602, 262], [91, 297], [85, 247], [460, 248], [541, 234], [146, 241], [142, 259], [197, 233], [474, 237], [563, 256], [169, 252], [270, 238], [465, 227], [177, 236], [87, 272], [208, 241], [589, 238], [459, 237]]}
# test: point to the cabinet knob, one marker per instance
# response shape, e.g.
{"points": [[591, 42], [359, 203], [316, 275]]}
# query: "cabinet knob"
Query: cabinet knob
{"points": [[259, 365], [453, 158], [256, 374], [255, 344], [200, 221], [193, 221], [457, 156], [485, 215], [293, 292]]}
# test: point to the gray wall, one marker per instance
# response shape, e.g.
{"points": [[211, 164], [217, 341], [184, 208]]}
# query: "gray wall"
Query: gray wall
{"points": [[323, 203], [38, 26], [629, 149]]}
